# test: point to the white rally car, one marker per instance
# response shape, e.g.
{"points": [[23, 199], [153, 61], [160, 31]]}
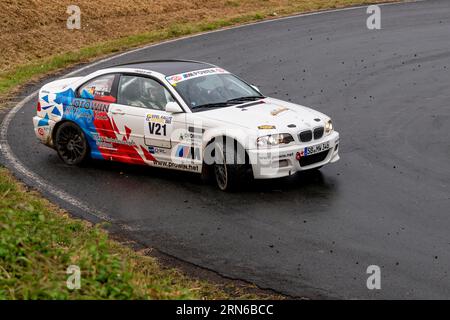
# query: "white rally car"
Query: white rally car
{"points": [[182, 115]]}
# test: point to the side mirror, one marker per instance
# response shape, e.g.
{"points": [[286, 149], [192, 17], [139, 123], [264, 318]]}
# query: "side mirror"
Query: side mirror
{"points": [[256, 88], [173, 107]]}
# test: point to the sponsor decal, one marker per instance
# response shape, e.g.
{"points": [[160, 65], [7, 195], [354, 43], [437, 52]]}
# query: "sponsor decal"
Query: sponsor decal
{"points": [[191, 138], [266, 127], [157, 124], [100, 116], [190, 135], [179, 166], [173, 80], [42, 131], [105, 145], [91, 105], [196, 130], [159, 118], [287, 155], [143, 71], [80, 113], [154, 150], [188, 152], [100, 140], [278, 111]]}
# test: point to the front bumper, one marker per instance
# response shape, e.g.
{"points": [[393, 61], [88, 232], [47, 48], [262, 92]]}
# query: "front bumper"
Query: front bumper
{"points": [[281, 162]]}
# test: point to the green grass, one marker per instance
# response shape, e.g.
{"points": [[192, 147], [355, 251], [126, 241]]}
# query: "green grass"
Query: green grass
{"points": [[38, 242]]}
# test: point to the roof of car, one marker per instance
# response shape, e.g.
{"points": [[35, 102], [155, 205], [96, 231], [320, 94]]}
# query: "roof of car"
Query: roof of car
{"points": [[168, 67]]}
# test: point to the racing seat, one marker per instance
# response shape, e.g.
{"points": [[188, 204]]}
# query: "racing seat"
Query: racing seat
{"points": [[158, 97], [130, 94]]}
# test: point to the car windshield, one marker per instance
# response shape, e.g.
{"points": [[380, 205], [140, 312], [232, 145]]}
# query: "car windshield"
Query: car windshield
{"points": [[212, 88]]}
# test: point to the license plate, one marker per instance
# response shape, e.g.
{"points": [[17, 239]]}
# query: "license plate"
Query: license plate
{"points": [[316, 149]]}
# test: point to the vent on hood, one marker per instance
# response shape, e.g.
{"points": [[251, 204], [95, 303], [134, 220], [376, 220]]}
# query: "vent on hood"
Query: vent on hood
{"points": [[250, 104]]}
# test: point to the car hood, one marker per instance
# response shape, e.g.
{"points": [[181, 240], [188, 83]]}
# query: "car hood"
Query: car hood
{"points": [[269, 113]]}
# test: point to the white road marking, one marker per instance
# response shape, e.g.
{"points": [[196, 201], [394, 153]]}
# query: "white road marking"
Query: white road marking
{"points": [[44, 185], [39, 182]]}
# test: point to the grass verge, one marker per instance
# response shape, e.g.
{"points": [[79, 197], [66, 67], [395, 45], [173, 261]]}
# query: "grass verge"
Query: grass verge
{"points": [[38, 242]]}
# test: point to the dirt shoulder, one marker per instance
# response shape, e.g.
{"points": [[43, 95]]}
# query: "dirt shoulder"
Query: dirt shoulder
{"points": [[35, 40], [34, 29]]}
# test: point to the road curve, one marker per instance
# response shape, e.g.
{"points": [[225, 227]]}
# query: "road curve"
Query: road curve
{"points": [[386, 203]]}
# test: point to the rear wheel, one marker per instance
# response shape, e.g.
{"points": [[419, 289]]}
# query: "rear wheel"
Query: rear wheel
{"points": [[71, 144]]}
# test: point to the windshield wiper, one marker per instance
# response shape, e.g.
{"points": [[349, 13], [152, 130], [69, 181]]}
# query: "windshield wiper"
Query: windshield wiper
{"points": [[227, 103], [247, 98], [211, 105]]}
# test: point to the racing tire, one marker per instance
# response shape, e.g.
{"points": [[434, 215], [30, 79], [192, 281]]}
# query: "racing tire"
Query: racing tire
{"points": [[229, 176], [71, 144]]}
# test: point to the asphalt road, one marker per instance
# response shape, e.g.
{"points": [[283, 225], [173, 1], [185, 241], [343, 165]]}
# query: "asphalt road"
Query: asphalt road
{"points": [[386, 203]]}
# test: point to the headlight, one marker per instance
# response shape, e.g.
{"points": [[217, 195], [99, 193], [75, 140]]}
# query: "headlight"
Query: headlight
{"points": [[329, 126], [274, 140]]}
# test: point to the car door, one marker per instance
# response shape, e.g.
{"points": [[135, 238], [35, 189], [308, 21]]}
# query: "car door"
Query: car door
{"points": [[89, 110], [145, 129]]}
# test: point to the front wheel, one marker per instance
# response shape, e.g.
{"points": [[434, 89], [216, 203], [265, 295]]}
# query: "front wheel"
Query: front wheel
{"points": [[229, 173], [71, 144]]}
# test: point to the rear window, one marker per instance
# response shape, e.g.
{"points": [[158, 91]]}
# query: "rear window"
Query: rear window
{"points": [[99, 88]]}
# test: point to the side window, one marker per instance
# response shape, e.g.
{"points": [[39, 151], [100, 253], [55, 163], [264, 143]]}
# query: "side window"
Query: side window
{"points": [[98, 89], [143, 93]]}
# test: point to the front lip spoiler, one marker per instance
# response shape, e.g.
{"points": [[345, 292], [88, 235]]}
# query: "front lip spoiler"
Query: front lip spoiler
{"points": [[262, 159]]}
